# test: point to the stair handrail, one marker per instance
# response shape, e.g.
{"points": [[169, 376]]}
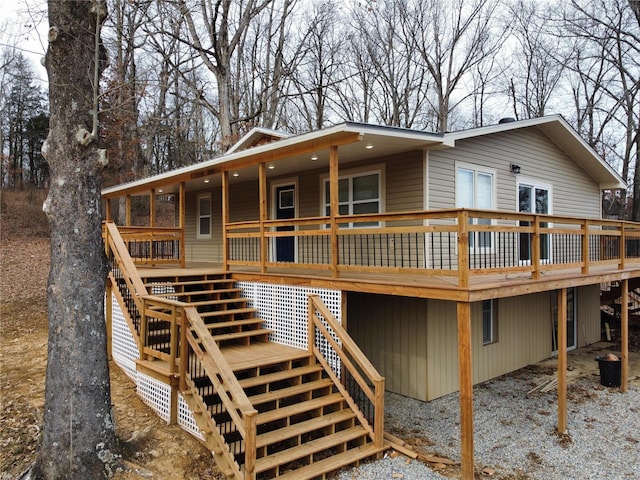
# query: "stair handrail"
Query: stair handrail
{"points": [[116, 245], [225, 382], [349, 352]]}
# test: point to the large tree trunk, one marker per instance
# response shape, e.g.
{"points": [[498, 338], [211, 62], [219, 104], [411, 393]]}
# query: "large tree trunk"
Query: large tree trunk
{"points": [[79, 432]]}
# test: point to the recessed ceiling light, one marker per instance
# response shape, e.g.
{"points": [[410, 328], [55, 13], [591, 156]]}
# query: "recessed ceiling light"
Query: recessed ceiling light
{"points": [[206, 180], [314, 157], [235, 174], [160, 190], [368, 146], [271, 166]]}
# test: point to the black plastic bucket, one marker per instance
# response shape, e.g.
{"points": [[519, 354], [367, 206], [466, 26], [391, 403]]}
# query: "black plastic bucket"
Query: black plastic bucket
{"points": [[610, 372]]}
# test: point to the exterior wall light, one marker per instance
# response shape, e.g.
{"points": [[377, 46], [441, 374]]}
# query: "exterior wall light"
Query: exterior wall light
{"points": [[515, 169]]}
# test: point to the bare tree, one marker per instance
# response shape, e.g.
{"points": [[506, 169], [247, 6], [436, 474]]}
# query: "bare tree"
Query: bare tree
{"points": [[215, 30], [79, 434], [450, 39], [610, 30], [536, 69]]}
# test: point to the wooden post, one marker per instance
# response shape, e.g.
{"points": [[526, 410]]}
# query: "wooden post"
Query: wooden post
{"points": [[334, 209], [463, 249], [181, 223], [107, 209], [466, 389], [585, 247], [624, 332], [311, 336], [152, 208], [562, 361], [225, 220], [109, 318], [535, 249], [621, 263], [127, 210], [184, 350], [251, 430], [263, 215], [143, 329]]}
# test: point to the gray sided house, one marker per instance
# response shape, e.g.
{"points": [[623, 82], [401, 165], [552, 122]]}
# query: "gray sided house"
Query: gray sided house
{"points": [[452, 256]]}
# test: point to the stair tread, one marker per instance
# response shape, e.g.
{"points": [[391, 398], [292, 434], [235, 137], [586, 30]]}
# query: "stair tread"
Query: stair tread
{"points": [[196, 292], [330, 464], [281, 375], [308, 448], [233, 323], [243, 334], [188, 282], [281, 393], [220, 301], [281, 434], [243, 357], [228, 312], [298, 408]]}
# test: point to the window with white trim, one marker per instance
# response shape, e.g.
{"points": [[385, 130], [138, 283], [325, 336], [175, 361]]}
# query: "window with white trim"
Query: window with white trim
{"points": [[489, 329], [358, 193], [475, 189], [204, 215]]}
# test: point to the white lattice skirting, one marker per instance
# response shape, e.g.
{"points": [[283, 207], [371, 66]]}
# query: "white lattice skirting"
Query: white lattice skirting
{"points": [[284, 309]]}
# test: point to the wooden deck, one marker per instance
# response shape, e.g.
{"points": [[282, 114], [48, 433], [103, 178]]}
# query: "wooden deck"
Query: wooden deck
{"points": [[481, 286]]}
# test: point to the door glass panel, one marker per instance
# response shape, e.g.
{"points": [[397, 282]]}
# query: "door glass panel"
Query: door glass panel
{"points": [[542, 206], [524, 204]]}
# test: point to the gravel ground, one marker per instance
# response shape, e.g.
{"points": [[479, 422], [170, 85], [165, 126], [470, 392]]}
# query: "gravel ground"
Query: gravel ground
{"points": [[515, 433]]}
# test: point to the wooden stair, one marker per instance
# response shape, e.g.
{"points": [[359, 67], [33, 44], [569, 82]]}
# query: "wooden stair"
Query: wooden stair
{"points": [[305, 426]]}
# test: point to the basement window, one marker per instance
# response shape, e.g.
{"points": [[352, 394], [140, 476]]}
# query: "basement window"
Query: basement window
{"points": [[489, 322]]}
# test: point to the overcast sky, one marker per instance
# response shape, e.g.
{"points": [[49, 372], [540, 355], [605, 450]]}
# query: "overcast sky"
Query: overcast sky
{"points": [[23, 23]]}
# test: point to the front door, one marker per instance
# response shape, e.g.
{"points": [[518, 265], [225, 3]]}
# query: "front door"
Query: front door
{"points": [[285, 208], [533, 199]]}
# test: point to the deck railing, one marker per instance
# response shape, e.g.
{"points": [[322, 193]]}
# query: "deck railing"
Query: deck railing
{"points": [[154, 245], [458, 243], [358, 380]]}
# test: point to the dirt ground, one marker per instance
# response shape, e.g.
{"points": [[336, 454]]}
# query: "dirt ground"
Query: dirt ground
{"points": [[154, 450]]}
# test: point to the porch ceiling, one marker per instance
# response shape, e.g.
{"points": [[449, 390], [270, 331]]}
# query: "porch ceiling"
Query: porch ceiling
{"points": [[288, 156]]}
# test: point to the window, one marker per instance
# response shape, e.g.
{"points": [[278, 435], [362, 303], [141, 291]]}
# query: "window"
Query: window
{"points": [[474, 189], [204, 215], [489, 322], [357, 194]]}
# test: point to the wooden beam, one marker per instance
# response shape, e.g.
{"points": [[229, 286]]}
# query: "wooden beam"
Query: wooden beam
{"points": [[624, 332], [225, 220], [463, 249], [562, 361], [262, 180], [127, 209], [465, 375], [152, 208], [334, 207], [585, 247], [181, 222]]}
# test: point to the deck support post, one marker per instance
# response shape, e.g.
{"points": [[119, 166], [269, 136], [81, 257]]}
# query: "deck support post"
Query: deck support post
{"points": [[152, 208], [463, 248], [127, 210], [465, 377], [621, 249], [334, 207], [624, 332], [263, 216], [181, 223], [585, 247], [562, 361], [225, 220], [535, 249]]}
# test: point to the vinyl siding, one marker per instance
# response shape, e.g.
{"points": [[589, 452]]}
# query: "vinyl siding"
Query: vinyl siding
{"points": [[203, 249], [413, 342], [573, 192]]}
